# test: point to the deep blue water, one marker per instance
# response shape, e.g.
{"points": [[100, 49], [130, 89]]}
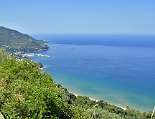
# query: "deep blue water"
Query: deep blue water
{"points": [[118, 69]]}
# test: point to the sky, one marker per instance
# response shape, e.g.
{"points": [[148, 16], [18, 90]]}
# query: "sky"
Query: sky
{"points": [[79, 16]]}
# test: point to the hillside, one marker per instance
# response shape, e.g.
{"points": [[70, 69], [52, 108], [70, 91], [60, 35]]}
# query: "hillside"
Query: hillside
{"points": [[13, 41], [27, 92]]}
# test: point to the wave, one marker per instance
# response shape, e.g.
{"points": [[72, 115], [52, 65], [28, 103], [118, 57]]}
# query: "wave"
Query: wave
{"points": [[34, 55]]}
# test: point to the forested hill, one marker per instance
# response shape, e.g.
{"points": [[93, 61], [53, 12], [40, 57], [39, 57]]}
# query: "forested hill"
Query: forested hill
{"points": [[13, 41], [27, 92]]}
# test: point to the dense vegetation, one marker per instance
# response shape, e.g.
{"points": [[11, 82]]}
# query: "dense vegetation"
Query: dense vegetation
{"points": [[27, 92], [15, 41]]}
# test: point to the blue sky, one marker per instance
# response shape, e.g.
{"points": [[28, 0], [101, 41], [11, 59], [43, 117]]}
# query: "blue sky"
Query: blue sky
{"points": [[79, 16]]}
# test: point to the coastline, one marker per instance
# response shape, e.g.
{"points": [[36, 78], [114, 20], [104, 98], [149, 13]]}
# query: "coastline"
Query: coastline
{"points": [[93, 99], [119, 105], [57, 94], [30, 55], [35, 54]]}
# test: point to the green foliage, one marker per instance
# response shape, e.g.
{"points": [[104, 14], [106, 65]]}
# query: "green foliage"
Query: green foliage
{"points": [[98, 113], [27, 92]]}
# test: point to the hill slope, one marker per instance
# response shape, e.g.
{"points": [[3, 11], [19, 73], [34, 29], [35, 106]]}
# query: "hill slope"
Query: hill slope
{"points": [[27, 92], [13, 41]]}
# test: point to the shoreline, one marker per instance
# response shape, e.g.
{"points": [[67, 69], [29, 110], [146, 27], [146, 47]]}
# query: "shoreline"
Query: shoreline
{"points": [[93, 99], [35, 54]]}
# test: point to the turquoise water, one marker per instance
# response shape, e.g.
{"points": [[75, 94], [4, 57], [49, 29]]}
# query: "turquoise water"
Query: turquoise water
{"points": [[120, 70]]}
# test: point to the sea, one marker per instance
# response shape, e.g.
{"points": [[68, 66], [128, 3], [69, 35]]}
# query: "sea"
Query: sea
{"points": [[119, 69]]}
